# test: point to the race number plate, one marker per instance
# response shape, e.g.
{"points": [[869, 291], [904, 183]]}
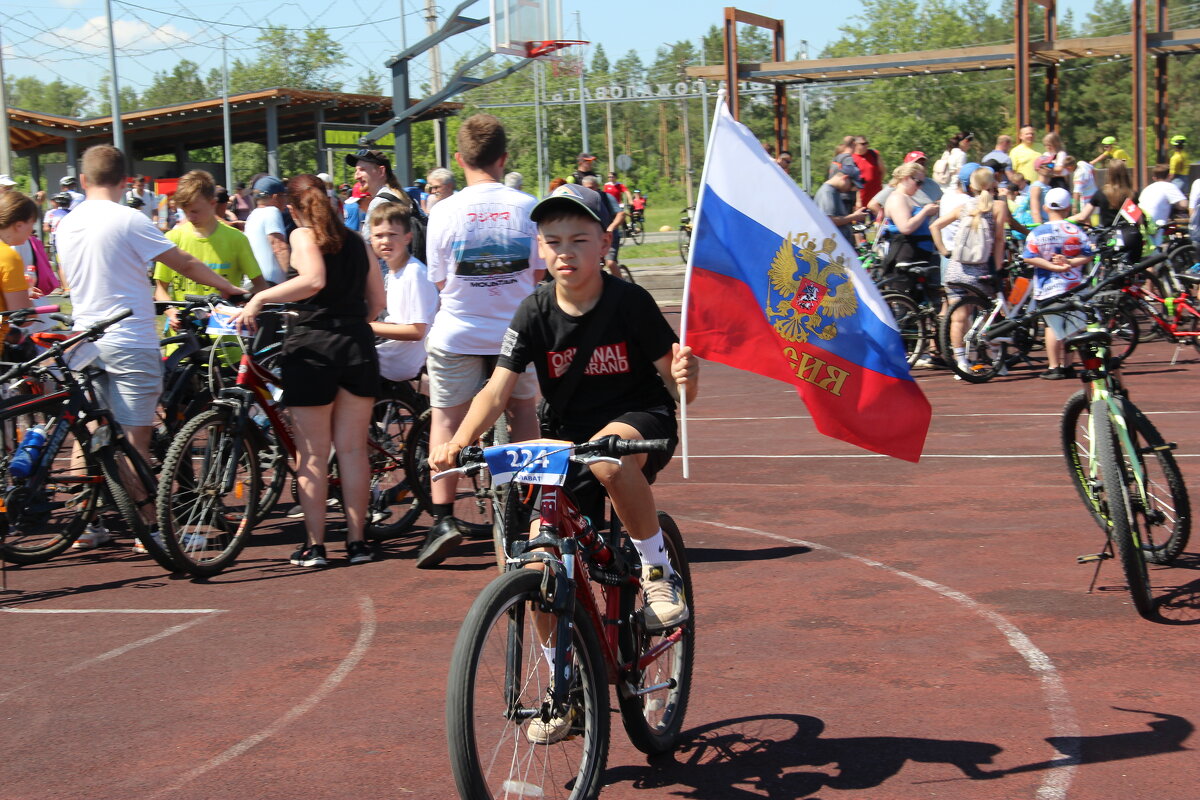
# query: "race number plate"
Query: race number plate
{"points": [[221, 321], [541, 461]]}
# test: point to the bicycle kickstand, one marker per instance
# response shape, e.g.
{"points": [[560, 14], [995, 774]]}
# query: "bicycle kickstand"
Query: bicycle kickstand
{"points": [[1099, 558]]}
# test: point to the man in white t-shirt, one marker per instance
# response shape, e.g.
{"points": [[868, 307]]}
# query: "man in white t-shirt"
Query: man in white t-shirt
{"points": [[104, 248], [1083, 181], [1161, 199], [266, 231], [141, 190], [412, 299], [483, 255]]}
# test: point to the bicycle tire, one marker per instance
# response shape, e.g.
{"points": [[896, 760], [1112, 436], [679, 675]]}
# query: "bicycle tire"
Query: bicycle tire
{"points": [[39, 525], [205, 526], [1123, 326], [1167, 524], [273, 471], [914, 332], [685, 243], [497, 672], [473, 506], [1124, 530], [984, 360], [394, 506], [626, 275], [654, 723], [638, 233], [126, 506]]}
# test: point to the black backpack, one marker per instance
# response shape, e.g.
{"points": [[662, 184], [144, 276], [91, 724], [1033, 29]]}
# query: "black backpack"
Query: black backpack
{"points": [[417, 223]]}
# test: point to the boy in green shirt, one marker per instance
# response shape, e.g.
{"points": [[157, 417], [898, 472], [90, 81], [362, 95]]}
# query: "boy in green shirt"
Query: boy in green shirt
{"points": [[224, 250]]}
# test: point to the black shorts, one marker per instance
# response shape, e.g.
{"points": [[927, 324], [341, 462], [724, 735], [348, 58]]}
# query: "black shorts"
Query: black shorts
{"points": [[655, 423], [316, 364]]}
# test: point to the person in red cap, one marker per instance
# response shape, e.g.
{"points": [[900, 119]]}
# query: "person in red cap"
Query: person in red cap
{"points": [[927, 192], [870, 167]]}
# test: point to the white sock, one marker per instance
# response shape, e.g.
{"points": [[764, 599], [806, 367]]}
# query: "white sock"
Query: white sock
{"points": [[653, 552]]}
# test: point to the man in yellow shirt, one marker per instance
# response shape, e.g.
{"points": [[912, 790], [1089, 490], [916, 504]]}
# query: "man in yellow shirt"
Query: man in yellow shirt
{"points": [[1109, 150], [1023, 154], [1180, 162], [225, 250]]}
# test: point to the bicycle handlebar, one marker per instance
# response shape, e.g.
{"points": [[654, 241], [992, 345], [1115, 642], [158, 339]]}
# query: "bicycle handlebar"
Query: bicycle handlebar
{"points": [[93, 331], [1077, 300], [470, 458]]}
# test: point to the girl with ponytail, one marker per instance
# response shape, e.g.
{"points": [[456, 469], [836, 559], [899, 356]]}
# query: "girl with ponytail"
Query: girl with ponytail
{"points": [[330, 370]]}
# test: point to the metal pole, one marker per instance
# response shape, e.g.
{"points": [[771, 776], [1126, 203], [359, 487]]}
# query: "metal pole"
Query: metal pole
{"points": [[228, 125], [5, 153], [608, 134], [403, 28], [805, 144], [435, 66], [582, 103], [687, 156], [118, 134], [704, 96], [537, 127], [1139, 91]]}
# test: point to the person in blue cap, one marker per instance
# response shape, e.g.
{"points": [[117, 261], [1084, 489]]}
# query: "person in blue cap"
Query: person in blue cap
{"points": [[266, 232]]}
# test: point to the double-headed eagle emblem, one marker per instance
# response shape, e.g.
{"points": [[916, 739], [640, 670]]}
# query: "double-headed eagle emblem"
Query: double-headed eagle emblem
{"points": [[808, 290]]}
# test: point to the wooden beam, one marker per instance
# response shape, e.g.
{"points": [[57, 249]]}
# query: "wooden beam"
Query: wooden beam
{"points": [[1021, 63], [1138, 45]]}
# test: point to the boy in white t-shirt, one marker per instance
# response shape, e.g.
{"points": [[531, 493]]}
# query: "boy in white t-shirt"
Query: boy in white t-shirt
{"points": [[412, 300], [483, 256]]}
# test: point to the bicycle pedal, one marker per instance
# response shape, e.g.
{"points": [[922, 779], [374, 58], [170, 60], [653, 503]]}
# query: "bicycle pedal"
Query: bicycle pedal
{"points": [[1092, 558]]}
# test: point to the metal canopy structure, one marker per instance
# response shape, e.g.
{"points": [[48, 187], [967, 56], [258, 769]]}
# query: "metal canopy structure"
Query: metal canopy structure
{"points": [[1020, 56], [268, 116]]}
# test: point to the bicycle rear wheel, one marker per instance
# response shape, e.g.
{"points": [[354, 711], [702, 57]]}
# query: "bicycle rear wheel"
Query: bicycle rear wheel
{"points": [[637, 232], [1124, 532], [38, 523], [984, 360], [653, 697], [914, 332], [499, 683], [119, 463], [473, 497], [394, 505], [1166, 519], [208, 493]]}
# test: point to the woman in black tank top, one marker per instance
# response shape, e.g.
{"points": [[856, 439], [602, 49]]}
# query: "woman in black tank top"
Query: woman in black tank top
{"points": [[330, 370]]}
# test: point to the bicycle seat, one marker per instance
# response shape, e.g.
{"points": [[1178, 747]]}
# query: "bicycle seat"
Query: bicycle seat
{"points": [[917, 268], [48, 338], [1088, 339]]}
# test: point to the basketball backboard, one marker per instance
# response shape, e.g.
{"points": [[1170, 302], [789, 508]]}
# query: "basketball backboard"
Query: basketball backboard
{"points": [[517, 23]]}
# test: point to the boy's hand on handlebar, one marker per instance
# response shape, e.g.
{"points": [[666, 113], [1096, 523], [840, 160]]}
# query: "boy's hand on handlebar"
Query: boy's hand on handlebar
{"points": [[444, 456]]}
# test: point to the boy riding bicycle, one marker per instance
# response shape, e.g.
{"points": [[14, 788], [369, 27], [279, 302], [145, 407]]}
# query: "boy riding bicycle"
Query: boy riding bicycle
{"points": [[628, 387]]}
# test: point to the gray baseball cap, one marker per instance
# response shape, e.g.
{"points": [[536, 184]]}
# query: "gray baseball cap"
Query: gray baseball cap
{"points": [[569, 195]]}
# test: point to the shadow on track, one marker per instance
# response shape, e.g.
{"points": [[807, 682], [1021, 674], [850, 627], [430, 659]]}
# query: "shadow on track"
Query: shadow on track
{"points": [[762, 756]]}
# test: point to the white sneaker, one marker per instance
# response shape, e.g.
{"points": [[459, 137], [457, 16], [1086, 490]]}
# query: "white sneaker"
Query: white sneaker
{"points": [[664, 605], [189, 541], [92, 537], [551, 731]]}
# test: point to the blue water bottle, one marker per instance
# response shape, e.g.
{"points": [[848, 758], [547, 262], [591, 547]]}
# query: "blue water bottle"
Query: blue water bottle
{"points": [[28, 452]]}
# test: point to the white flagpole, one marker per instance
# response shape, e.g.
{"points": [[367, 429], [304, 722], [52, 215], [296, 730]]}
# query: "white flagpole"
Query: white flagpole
{"points": [[687, 277]]}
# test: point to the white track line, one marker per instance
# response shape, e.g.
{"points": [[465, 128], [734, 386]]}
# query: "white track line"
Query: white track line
{"points": [[366, 633], [1063, 723], [111, 610], [935, 416], [118, 651]]}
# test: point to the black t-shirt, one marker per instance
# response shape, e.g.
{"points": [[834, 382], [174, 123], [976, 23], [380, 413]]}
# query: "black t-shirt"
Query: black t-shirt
{"points": [[1106, 213], [620, 376]]}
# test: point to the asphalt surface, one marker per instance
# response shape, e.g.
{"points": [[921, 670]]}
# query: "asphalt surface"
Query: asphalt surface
{"points": [[867, 629]]}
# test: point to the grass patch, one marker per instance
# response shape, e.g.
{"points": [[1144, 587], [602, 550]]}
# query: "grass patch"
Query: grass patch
{"points": [[650, 250]]}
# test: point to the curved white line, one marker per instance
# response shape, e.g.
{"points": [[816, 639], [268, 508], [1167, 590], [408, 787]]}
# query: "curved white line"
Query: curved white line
{"points": [[366, 633], [1058, 702]]}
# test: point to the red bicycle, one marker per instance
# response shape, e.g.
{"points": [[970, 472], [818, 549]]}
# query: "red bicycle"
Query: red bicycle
{"points": [[212, 479], [527, 707], [1173, 316]]}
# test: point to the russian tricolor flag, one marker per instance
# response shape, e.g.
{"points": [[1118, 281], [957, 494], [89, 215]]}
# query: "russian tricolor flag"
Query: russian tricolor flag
{"points": [[773, 288]]}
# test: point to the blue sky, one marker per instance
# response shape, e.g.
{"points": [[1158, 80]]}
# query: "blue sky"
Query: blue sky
{"points": [[67, 39]]}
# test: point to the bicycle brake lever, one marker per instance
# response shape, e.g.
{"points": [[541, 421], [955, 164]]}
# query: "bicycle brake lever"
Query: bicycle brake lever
{"points": [[585, 460]]}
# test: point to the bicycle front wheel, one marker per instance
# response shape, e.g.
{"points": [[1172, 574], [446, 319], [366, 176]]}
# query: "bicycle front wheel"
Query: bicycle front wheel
{"points": [[1124, 532], [499, 685], [637, 232], [38, 522], [208, 493], [654, 696], [1165, 512]]}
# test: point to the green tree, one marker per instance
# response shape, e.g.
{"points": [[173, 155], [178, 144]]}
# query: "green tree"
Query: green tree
{"points": [[55, 97], [288, 60], [600, 64], [181, 84]]}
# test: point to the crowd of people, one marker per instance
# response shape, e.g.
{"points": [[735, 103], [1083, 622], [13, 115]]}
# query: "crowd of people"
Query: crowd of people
{"points": [[957, 214], [397, 283]]}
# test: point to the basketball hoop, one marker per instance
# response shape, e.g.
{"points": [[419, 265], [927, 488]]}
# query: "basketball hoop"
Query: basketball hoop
{"points": [[541, 49]]}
